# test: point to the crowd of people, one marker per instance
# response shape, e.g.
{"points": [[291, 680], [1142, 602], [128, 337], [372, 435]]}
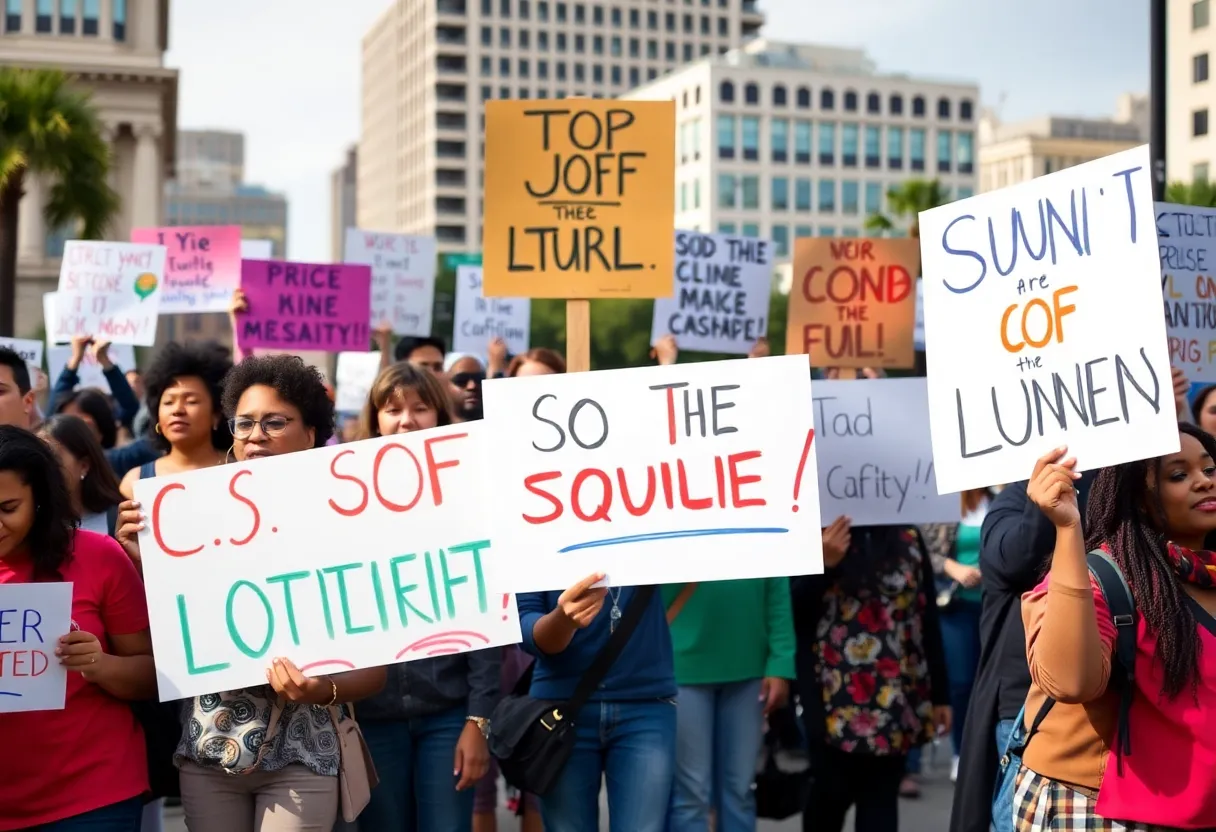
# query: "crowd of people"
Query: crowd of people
{"points": [[997, 629]]}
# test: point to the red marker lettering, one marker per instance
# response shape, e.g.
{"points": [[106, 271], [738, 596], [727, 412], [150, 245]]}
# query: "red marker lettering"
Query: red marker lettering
{"points": [[156, 529], [688, 503], [601, 511], [737, 481], [359, 509], [257, 515], [531, 483], [433, 468], [384, 501], [637, 511]]}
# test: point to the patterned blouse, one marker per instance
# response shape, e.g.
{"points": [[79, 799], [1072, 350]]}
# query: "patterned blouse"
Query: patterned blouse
{"points": [[872, 663]]}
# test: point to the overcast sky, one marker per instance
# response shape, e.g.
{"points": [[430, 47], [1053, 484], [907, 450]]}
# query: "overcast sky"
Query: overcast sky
{"points": [[286, 72]]}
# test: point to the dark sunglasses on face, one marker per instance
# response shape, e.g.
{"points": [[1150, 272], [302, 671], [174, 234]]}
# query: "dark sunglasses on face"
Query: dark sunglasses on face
{"points": [[464, 379]]}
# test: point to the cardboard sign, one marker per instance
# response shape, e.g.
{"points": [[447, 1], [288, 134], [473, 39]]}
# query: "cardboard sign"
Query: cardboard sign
{"points": [[477, 319], [1041, 325], [28, 349], [305, 306], [579, 199], [202, 266], [249, 561], [257, 249], [33, 617], [655, 475], [108, 290], [90, 372], [875, 454], [355, 376], [1187, 243], [722, 293], [853, 302], [403, 278]]}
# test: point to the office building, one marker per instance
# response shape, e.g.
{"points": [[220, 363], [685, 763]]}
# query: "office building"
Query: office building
{"points": [[1191, 98], [115, 50], [428, 66], [781, 140], [342, 202]]}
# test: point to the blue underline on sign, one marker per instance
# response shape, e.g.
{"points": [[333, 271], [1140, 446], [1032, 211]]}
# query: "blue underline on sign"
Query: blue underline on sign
{"points": [[8, 693], [672, 535]]}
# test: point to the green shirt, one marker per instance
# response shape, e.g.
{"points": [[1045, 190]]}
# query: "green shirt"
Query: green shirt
{"points": [[732, 631]]}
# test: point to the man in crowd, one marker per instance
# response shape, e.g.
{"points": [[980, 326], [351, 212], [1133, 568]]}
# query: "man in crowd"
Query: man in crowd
{"points": [[16, 392]]}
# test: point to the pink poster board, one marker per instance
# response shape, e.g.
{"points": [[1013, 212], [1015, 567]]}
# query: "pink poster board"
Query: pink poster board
{"points": [[202, 266], [305, 306]]}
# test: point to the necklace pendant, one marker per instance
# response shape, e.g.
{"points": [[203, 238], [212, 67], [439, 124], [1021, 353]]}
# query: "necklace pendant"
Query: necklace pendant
{"points": [[615, 615]]}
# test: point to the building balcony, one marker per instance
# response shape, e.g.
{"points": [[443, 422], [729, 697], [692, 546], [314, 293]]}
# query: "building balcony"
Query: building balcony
{"points": [[450, 179], [453, 8], [449, 122], [451, 36], [449, 149], [451, 94], [450, 206], [451, 65]]}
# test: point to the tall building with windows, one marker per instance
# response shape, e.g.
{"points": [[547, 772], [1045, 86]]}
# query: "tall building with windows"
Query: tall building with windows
{"points": [[115, 50], [1191, 98], [428, 66], [781, 140], [342, 203]]}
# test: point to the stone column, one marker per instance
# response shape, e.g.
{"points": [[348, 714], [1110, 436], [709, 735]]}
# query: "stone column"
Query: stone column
{"points": [[27, 17], [146, 181], [31, 231], [105, 20]]}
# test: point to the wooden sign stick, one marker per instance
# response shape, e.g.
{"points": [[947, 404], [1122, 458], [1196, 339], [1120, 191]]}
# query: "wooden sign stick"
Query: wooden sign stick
{"points": [[578, 336]]}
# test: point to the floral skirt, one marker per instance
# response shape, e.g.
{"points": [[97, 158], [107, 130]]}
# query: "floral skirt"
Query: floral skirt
{"points": [[1043, 805]]}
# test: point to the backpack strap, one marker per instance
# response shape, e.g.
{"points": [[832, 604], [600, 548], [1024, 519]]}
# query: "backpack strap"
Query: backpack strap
{"points": [[112, 520], [1123, 613]]}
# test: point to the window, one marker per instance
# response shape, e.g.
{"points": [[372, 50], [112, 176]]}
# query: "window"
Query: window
{"points": [[801, 231], [896, 104], [504, 37], [874, 104], [687, 53], [688, 30], [597, 74], [850, 232], [779, 99], [726, 92], [652, 21], [487, 36], [804, 98], [850, 101], [751, 192], [487, 66], [652, 50], [802, 194], [12, 15], [634, 76], [67, 17], [726, 190], [705, 24], [873, 146], [781, 140], [504, 67], [943, 108], [827, 99], [781, 243], [827, 231], [44, 14], [1199, 172], [895, 148], [943, 151], [560, 8], [780, 193], [1199, 122], [523, 68], [616, 17], [669, 50], [916, 148], [965, 110], [827, 196], [560, 67], [683, 197], [504, 8], [802, 142], [120, 20], [525, 11], [1200, 14], [635, 48], [580, 44], [751, 94], [615, 46], [597, 15], [827, 143], [580, 13], [616, 75], [964, 192], [848, 145], [751, 229], [696, 194], [542, 41], [726, 137], [669, 22], [726, 228], [966, 151], [487, 92], [723, 27], [873, 197], [1199, 68], [849, 197], [751, 138], [918, 106], [561, 41], [597, 44], [635, 19], [487, 7], [542, 70]]}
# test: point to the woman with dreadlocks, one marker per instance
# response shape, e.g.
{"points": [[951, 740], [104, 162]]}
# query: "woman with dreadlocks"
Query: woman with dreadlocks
{"points": [[1094, 765]]}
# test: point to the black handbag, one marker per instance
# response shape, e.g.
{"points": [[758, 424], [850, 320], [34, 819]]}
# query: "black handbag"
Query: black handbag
{"points": [[162, 726], [780, 794], [532, 739]]}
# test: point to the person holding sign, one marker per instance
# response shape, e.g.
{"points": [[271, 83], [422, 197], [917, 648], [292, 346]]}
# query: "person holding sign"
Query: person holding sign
{"points": [[85, 765], [89, 405]]}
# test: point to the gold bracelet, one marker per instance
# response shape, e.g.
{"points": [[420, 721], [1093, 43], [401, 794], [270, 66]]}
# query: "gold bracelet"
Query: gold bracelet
{"points": [[333, 699]]}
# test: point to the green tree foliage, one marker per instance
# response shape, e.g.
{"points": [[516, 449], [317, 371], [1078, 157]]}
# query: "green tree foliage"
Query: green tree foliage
{"points": [[1201, 193], [905, 201]]}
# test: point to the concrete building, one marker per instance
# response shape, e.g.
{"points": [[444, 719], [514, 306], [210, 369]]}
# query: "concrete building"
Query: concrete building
{"points": [[781, 141], [114, 49], [343, 202], [1013, 153], [428, 65], [1191, 98]]}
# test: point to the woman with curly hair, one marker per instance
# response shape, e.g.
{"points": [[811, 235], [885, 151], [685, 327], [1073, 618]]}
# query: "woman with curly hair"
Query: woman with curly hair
{"points": [[83, 766]]}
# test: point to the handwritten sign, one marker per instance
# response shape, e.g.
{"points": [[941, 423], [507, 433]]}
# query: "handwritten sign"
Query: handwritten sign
{"points": [[202, 266], [853, 303], [250, 561], [110, 291], [32, 618], [355, 376], [257, 249], [875, 454], [918, 334], [478, 319], [1187, 246], [656, 475], [579, 199], [722, 293], [403, 278], [1041, 325], [30, 350], [90, 372], [305, 306]]}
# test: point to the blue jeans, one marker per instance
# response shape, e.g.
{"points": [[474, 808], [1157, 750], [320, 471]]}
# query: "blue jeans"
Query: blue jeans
{"points": [[719, 731], [1007, 730], [417, 791], [630, 744], [961, 644], [117, 817]]}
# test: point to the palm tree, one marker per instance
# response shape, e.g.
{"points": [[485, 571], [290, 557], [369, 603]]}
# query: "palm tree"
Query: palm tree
{"points": [[1200, 192], [49, 130], [908, 199]]}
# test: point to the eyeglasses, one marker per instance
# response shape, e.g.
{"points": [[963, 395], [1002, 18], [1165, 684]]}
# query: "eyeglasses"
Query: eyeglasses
{"points": [[463, 379], [242, 427]]}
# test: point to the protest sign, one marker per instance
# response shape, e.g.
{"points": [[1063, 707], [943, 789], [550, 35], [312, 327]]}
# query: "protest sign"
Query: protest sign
{"points": [[403, 278], [30, 350], [32, 619], [355, 375], [579, 199], [90, 372], [305, 306], [1187, 248], [202, 266], [338, 558], [853, 302], [875, 454], [257, 249], [108, 290], [655, 475], [1042, 326], [722, 293], [478, 319], [918, 333], [49, 305]]}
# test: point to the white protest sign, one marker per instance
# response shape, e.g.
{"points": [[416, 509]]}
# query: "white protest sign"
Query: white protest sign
{"points": [[257, 249], [253, 560], [722, 294], [32, 618], [356, 373], [477, 319], [918, 330], [1042, 326], [28, 349], [403, 278], [1187, 243], [110, 291], [90, 372], [655, 475], [875, 455], [49, 305]]}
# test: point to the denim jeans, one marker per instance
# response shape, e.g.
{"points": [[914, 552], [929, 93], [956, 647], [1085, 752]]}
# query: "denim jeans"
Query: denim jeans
{"points": [[719, 731], [961, 644], [632, 745], [414, 759], [117, 817], [1002, 804]]}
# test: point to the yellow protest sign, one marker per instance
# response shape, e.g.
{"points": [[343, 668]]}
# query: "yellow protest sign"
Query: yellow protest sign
{"points": [[579, 199]]}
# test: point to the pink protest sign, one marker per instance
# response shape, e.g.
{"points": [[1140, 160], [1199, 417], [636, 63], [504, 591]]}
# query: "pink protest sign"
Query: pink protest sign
{"points": [[202, 266], [305, 306]]}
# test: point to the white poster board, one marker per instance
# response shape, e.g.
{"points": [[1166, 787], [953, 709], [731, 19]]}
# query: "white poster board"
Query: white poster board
{"points": [[655, 475], [90, 372], [875, 454], [28, 349], [478, 320], [403, 278], [33, 617], [249, 561], [257, 249], [1054, 337], [356, 373], [1186, 238], [722, 293], [49, 305], [110, 291], [918, 330]]}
